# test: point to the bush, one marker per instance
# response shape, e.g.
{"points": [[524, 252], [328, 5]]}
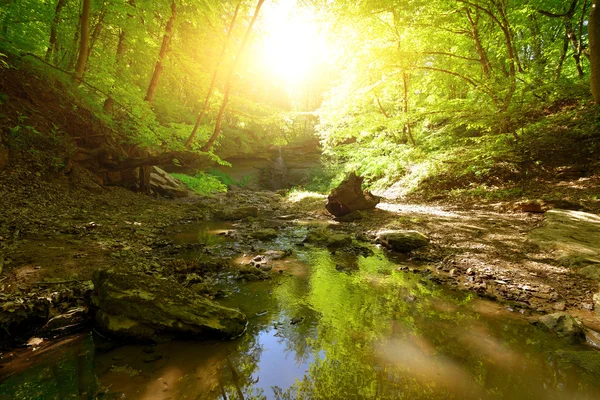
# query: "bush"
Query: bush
{"points": [[202, 183]]}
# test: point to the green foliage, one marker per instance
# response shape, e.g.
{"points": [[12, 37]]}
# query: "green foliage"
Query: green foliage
{"points": [[228, 181], [43, 150], [202, 183]]}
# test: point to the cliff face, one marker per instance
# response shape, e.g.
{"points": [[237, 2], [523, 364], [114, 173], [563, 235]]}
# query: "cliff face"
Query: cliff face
{"points": [[279, 168]]}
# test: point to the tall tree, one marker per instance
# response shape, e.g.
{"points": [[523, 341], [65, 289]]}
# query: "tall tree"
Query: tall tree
{"points": [[240, 52], [594, 43], [52, 42], [83, 41], [213, 80], [164, 50]]}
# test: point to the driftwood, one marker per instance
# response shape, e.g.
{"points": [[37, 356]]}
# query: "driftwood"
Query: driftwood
{"points": [[349, 197]]}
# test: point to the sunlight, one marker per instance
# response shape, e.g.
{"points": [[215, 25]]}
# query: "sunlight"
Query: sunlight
{"points": [[292, 48]]}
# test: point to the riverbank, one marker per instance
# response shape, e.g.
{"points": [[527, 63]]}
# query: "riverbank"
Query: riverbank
{"points": [[55, 234]]}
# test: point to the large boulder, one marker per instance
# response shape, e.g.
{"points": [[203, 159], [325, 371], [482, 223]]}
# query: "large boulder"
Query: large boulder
{"points": [[349, 196], [142, 307], [402, 241], [564, 325]]}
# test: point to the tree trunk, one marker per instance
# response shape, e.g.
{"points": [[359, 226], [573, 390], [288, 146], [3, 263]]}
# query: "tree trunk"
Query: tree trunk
{"points": [[213, 81], [164, 50], [407, 129], [52, 43], [239, 54], [561, 59], [483, 58], [83, 41], [110, 102], [594, 47]]}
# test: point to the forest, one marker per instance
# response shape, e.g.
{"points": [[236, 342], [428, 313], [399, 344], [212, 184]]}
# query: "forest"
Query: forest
{"points": [[299, 199]]}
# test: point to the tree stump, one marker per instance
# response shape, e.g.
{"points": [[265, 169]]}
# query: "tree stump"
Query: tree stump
{"points": [[349, 197]]}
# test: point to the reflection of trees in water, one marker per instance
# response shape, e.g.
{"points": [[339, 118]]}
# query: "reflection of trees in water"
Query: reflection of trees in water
{"points": [[387, 335]]}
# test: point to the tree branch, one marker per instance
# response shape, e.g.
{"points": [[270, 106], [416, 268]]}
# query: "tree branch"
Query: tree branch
{"points": [[441, 53]]}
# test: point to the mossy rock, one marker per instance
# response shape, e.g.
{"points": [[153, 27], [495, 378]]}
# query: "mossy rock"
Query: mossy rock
{"points": [[402, 241], [328, 239], [142, 307], [564, 325], [264, 234]]}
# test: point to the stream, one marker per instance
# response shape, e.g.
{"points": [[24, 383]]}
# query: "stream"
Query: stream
{"points": [[328, 326]]}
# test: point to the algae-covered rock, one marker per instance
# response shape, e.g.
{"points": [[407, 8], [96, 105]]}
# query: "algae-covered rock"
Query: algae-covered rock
{"points": [[328, 238], [564, 325], [264, 234], [402, 241], [142, 307]]}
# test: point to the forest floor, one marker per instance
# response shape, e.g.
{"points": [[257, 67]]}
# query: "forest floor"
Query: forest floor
{"points": [[55, 234]]}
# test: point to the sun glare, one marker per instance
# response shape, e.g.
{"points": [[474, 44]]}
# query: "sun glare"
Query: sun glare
{"points": [[292, 48]]}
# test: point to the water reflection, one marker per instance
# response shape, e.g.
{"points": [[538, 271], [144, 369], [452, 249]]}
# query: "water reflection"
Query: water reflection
{"points": [[368, 332]]}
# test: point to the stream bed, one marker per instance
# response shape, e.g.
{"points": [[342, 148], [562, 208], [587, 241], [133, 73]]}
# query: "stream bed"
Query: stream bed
{"points": [[330, 326]]}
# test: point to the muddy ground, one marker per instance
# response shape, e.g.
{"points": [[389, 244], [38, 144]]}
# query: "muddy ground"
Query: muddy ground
{"points": [[54, 232]]}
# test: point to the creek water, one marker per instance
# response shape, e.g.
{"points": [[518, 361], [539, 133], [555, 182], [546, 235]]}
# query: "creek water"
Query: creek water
{"points": [[333, 327]]}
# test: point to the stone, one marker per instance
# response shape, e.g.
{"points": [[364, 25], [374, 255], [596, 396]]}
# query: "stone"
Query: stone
{"points": [[250, 273], [264, 234], [591, 271], [564, 325], [531, 206], [588, 360], [328, 239], [4, 157], [142, 307], [349, 197], [70, 322], [596, 299], [353, 216], [165, 185], [402, 241], [233, 214], [573, 234]]}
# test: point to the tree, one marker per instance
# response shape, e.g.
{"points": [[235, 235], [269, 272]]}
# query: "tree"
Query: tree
{"points": [[232, 69], [164, 50], [83, 42], [213, 80], [594, 43]]}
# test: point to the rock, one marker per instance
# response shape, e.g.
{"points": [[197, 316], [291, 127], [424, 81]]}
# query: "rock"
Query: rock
{"points": [[353, 216], [251, 273], [588, 360], [349, 197], [277, 254], [264, 234], [141, 307], [328, 239], [596, 299], [234, 214], [402, 241], [564, 325], [591, 271], [165, 185], [574, 234], [531, 206], [4, 157], [64, 324]]}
